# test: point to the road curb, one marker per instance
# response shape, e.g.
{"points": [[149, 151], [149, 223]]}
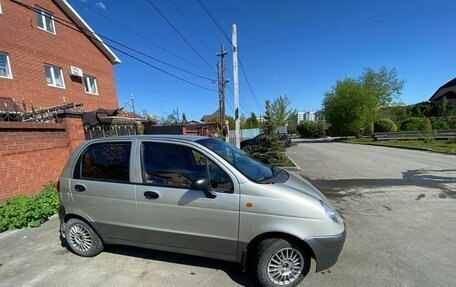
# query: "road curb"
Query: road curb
{"points": [[292, 168], [406, 147]]}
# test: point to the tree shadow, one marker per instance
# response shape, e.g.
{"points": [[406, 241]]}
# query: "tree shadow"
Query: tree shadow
{"points": [[435, 179], [233, 270]]}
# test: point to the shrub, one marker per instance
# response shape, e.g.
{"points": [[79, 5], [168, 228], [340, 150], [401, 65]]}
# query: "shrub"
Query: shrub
{"points": [[29, 211], [416, 124], [438, 124], [308, 129], [384, 125]]}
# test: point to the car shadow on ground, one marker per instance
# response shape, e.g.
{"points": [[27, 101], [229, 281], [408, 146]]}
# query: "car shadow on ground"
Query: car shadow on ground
{"points": [[233, 270], [435, 179]]}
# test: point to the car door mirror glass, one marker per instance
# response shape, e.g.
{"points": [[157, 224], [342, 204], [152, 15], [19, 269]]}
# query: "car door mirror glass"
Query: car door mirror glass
{"points": [[204, 184]]}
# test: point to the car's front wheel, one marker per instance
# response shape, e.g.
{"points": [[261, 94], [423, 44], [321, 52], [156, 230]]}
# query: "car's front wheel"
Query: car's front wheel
{"points": [[281, 262], [82, 239]]}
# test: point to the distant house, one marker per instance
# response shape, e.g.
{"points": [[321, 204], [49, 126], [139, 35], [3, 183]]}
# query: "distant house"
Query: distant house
{"points": [[48, 53], [448, 90]]}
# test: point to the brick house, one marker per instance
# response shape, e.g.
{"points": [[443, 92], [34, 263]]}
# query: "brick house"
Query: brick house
{"points": [[43, 60]]}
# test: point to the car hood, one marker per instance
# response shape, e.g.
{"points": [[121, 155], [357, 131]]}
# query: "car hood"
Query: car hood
{"points": [[299, 184]]}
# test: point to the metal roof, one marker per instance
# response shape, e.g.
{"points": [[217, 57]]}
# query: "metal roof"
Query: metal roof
{"points": [[65, 6]]}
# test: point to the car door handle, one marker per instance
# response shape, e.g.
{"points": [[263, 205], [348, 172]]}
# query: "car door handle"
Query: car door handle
{"points": [[79, 188], [151, 195]]}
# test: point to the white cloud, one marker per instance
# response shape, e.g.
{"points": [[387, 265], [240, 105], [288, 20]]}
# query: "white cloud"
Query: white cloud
{"points": [[84, 1], [100, 5]]}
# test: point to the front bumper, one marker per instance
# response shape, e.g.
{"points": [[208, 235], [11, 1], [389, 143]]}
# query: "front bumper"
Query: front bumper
{"points": [[326, 249]]}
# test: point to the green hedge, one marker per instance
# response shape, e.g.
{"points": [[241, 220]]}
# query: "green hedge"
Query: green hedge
{"points": [[416, 124], [384, 125], [308, 129], [29, 211]]}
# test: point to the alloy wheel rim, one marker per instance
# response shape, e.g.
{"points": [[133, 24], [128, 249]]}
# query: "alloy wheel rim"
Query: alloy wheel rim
{"points": [[80, 237], [285, 266]]}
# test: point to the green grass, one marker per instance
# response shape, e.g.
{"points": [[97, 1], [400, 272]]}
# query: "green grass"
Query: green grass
{"points": [[445, 146]]}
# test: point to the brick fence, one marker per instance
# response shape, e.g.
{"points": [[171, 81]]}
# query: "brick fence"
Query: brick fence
{"points": [[33, 154]]}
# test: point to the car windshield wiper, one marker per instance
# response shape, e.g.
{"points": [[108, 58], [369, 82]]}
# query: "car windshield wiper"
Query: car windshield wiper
{"points": [[273, 173]]}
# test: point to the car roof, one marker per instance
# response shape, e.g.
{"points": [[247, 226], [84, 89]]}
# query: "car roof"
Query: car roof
{"points": [[145, 137]]}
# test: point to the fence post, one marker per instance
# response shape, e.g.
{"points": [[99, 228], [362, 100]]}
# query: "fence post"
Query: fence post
{"points": [[73, 128]]}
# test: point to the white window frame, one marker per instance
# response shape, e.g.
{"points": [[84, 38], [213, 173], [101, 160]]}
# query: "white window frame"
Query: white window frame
{"points": [[53, 76], [43, 19], [9, 67], [1, 8], [86, 78]]}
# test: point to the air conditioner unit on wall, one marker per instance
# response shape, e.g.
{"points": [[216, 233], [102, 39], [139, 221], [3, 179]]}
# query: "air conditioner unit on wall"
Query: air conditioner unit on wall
{"points": [[75, 71]]}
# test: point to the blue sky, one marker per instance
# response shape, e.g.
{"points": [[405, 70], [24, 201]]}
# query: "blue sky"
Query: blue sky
{"points": [[294, 47]]}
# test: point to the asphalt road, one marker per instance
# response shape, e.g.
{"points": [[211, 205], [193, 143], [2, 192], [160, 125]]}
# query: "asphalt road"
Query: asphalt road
{"points": [[399, 207]]}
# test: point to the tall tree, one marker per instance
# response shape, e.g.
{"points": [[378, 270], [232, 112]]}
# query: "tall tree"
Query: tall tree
{"points": [[184, 118], [384, 84], [251, 122], [350, 107], [280, 110], [270, 150]]}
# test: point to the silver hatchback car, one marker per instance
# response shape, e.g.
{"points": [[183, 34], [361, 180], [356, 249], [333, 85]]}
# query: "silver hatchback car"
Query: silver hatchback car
{"points": [[198, 196]]}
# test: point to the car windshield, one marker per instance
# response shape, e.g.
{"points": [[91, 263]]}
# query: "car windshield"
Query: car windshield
{"points": [[249, 167]]}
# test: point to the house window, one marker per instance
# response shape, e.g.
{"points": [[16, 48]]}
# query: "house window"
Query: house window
{"points": [[54, 76], [1, 10], [5, 68], [45, 20], [90, 85]]}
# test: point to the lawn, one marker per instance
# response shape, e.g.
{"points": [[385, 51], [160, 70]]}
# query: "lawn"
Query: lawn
{"points": [[445, 146]]}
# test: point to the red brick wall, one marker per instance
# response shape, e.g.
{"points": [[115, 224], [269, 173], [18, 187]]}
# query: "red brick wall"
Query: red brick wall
{"points": [[29, 48], [34, 154]]}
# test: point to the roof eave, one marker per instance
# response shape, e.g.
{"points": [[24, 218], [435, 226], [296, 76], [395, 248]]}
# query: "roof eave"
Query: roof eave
{"points": [[88, 31]]}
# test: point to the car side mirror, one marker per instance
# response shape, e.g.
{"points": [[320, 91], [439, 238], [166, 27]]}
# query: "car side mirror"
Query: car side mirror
{"points": [[204, 184]]}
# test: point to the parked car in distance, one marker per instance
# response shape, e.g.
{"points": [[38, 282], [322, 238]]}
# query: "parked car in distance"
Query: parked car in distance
{"points": [[249, 144], [198, 196]]}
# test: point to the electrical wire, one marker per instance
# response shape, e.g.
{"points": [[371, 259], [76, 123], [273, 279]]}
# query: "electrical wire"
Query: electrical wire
{"points": [[111, 46], [180, 35], [354, 24], [147, 40], [208, 12]]}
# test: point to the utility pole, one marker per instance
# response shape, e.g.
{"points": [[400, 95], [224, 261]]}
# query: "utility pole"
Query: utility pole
{"points": [[236, 89], [221, 67], [133, 105]]}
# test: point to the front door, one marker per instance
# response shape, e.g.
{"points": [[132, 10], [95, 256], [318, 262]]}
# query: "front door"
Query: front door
{"points": [[102, 190], [177, 218]]}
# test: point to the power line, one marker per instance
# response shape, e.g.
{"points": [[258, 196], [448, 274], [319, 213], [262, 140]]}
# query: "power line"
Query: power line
{"points": [[182, 36], [354, 24], [145, 39], [208, 12], [191, 26], [135, 50], [56, 19]]}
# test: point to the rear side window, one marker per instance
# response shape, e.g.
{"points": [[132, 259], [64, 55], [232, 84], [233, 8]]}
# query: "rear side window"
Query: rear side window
{"points": [[106, 161], [178, 166]]}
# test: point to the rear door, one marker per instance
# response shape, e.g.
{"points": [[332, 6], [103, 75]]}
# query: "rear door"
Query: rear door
{"points": [[176, 217], [102, 190]]}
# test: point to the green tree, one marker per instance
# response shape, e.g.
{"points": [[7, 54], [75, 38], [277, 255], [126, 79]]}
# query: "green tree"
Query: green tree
{"points": [[384, 84], [270, 150], [283, 115], [251, 122], [350, 107], [184, 118]]}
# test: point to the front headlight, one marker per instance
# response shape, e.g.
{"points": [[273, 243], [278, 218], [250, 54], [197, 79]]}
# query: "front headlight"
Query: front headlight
{"points": [[331, 213]]}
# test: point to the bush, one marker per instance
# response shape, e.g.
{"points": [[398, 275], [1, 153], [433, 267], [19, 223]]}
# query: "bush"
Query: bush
{"points": [[438, 124], [416, 124], [384, 125], [29, 211], [308, 129]]}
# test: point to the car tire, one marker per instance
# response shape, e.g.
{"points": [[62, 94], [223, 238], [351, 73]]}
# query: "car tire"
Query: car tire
{"points": [[81, 239], [281, 262]]}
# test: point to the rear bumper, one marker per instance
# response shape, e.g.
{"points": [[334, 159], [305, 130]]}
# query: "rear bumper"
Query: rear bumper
{"points": [[326, 249]]}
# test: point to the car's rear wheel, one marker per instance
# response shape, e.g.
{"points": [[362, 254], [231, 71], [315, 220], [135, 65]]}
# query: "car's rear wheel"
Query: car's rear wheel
{"points": [[82, 239], [281, 262]]}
